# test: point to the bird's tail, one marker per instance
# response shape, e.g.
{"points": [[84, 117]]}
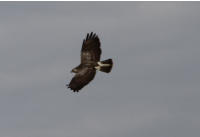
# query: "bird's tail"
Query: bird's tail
{"points": [[105, 66]]}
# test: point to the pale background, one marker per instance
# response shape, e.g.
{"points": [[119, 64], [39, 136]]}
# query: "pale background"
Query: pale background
{"points": [[153, 90]]}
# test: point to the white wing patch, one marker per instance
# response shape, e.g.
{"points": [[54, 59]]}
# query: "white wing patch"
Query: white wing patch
{"points": [[97, 68], [103, 65]]}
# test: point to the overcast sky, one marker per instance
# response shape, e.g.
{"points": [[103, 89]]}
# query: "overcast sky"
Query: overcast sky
{"points": [[152, 91]]}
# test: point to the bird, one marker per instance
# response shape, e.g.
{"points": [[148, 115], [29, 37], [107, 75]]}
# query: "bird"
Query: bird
{"points": [[89, 64]]}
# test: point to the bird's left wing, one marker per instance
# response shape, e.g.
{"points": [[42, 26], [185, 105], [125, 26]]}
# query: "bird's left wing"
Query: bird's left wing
{"points": [[91, 50], [81, 79]]}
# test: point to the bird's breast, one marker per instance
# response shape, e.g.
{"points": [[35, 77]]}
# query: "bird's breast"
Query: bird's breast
{"points": [[90, 64]]}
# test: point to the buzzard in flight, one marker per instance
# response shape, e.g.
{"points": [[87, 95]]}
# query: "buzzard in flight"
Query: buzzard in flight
{"points": [[90, 62]]}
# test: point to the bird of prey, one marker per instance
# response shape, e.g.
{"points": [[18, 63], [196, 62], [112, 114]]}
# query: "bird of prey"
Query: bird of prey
{"points": [[90, 62]]}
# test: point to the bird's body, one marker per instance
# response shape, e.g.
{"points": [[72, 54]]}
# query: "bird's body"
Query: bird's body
{"points": [[90, 62]]}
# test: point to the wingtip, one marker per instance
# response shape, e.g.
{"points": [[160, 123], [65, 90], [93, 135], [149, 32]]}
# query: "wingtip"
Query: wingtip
{"points": [[91, 34], [74, 90], [87, 36]]}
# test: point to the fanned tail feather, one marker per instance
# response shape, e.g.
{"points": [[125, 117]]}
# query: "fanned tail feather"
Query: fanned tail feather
{"points": [[105, 66]]}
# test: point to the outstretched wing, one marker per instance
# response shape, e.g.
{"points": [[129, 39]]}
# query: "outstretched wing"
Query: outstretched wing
{"points": [[81, 79], [91, 50]]}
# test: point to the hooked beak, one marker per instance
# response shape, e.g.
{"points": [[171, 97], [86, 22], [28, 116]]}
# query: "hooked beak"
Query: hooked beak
{"points": [[73, 70]]}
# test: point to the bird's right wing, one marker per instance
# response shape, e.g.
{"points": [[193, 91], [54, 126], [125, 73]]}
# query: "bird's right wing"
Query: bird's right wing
{"points": [[81, 79]]}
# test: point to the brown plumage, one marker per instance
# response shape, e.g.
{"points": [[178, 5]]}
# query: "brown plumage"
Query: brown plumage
{"points": [[90, 62]]}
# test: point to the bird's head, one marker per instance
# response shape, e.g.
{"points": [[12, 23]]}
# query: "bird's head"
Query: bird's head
{"points": [[75, 70]]}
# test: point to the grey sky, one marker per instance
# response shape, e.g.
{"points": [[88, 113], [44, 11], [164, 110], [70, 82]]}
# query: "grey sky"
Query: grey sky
{"points": [[153, 90]]}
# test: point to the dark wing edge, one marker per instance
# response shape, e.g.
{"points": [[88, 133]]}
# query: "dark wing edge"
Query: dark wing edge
{"points": [[79, 81], [91, 48], [90, 39]]}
